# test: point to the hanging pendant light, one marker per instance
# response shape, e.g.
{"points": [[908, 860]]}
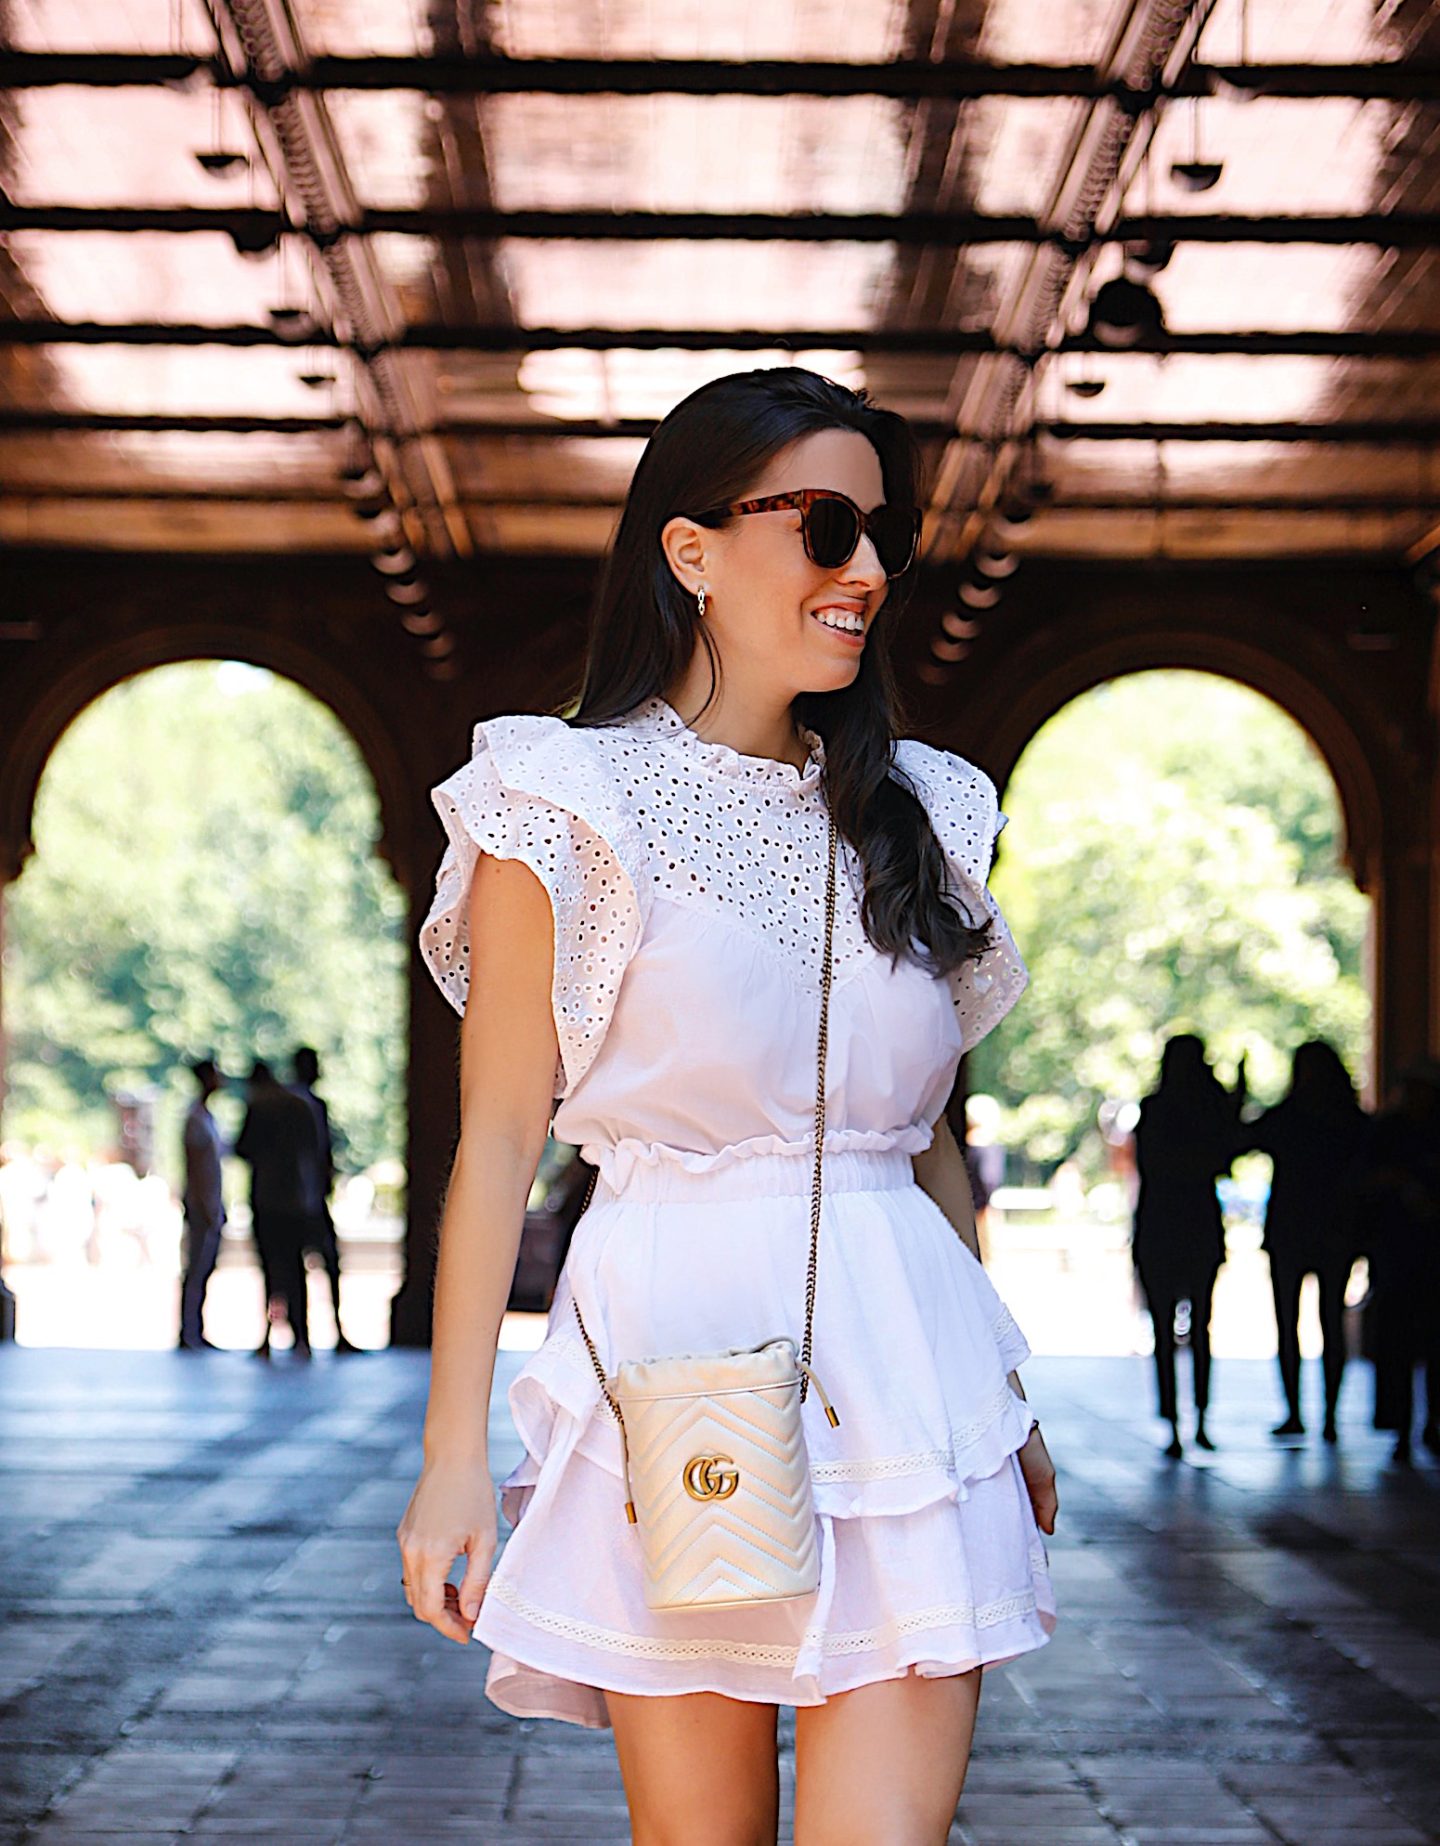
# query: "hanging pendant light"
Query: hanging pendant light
{"points": [[1196, 174], [1123, 313]]}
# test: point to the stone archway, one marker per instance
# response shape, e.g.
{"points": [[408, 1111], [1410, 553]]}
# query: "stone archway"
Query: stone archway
{"points": [[30, 739], [1379, 779], [27, 746]]}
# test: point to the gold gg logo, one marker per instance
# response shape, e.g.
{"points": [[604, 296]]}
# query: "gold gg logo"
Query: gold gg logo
{"points": [[710, 1477]]}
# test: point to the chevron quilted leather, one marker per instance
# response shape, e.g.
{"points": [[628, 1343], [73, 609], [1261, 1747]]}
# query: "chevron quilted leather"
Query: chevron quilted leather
{"points": [[730, 1423]]}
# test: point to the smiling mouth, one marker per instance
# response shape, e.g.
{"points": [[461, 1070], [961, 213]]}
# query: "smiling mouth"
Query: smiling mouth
{"points": [[841, 622]]}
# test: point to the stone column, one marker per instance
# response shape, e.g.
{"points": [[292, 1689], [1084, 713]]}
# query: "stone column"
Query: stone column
{"points": [[1432, 884], [431, 1136], [1407, 944], [7, 1299]]}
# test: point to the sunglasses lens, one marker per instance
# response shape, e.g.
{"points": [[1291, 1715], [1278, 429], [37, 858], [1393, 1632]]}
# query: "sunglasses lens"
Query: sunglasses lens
{"points": [[895, 533], [834, 533]]}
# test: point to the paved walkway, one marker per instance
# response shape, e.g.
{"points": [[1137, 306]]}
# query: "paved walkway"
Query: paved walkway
{"points": [[204, 1637]]}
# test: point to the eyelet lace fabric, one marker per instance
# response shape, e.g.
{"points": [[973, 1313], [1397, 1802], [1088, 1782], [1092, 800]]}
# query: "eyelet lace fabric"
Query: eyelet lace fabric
{"points": [[964, 812], [612, 818], [536, 791]]}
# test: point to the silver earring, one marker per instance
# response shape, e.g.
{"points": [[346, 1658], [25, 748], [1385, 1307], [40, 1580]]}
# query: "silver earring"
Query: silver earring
{"points": [[700, 602]]}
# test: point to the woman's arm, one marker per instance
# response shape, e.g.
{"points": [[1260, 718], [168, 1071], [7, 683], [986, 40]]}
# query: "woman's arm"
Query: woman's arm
{"points": [[508, 1053], [941, 1171], [507, 1067]]}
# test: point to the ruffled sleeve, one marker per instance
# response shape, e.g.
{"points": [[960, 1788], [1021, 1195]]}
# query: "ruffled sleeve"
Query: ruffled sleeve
{"points": [[965, 814], [537, 790]]}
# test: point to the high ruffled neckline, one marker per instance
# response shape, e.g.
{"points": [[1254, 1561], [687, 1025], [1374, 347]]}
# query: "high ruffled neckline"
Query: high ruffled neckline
{"points": [[658, 716]]}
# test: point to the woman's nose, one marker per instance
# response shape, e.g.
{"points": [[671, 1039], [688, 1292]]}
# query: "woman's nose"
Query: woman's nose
{"points": [[865, 566]]}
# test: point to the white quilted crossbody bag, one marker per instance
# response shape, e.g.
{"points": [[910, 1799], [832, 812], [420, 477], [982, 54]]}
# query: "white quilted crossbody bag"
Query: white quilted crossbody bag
{"points": [[717, 1478]]}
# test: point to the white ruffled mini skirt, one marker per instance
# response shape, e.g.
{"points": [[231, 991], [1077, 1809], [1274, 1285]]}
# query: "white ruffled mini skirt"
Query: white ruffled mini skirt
{"points": [[930, 1556]]}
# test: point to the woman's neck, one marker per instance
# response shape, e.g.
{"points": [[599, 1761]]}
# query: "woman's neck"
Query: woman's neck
{"points": [[752, 728]]}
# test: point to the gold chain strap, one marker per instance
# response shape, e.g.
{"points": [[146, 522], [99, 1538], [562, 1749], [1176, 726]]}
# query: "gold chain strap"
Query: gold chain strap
{"points": [[820, 1050], [824, 1040]]}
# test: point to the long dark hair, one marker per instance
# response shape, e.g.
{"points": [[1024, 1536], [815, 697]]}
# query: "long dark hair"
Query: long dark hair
{"points": [[1189, 1096], [710, 450], [1319, 1081]]}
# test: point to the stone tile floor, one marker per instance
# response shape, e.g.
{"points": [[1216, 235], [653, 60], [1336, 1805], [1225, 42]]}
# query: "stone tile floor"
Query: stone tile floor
{"points": [[203, 1636]]}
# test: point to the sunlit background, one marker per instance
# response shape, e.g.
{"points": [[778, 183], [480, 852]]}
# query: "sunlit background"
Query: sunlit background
{"points": [[205, 880], [373, 280]]}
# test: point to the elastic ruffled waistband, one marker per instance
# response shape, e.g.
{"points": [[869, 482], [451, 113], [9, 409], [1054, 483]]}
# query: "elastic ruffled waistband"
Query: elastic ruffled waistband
{"points": [[760, 1175]]}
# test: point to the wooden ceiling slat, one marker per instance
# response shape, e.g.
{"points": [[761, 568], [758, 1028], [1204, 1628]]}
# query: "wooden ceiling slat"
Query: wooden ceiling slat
{"points": [[1412, 80], [1119, 504], [1390, 432], [255, 231], [1312, 343]]}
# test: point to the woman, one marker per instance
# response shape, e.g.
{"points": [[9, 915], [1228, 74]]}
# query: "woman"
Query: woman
{"points": [[1187, 1135], [1315, 1137], [671, 836]]}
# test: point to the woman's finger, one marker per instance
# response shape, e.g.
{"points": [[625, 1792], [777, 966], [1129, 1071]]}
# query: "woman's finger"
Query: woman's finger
{"points": [[457, 1623], [452, 1624], [472, 1584], [1039, 1473], [427, 1593]]}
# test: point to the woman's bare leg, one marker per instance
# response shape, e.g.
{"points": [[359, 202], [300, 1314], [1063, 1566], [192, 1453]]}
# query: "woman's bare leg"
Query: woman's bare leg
{"points": [[884, 1765], [699, 1769]]}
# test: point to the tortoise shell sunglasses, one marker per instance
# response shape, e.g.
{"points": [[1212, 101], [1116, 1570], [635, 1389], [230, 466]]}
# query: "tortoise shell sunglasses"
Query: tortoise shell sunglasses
{"points": [[831, 524]]}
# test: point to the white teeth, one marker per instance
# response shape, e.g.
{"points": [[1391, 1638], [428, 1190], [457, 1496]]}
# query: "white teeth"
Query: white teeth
{"points": [[836, 618]]}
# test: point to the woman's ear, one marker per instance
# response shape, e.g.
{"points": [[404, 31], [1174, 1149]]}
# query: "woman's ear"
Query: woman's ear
{"points": [[684, 545]]}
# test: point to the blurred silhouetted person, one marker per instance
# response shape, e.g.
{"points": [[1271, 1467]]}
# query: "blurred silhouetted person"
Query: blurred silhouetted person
{"points": [[321, 1234], [984, 1161], [1186, 1137], [278, 1140], [204, 1206], [1401, 1194], [1316, 1138]]}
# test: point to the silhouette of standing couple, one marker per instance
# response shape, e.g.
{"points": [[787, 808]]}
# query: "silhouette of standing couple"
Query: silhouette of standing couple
{"points": [[286, 1141]]}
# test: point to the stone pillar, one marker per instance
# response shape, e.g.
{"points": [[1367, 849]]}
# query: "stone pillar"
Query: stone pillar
{"points": [[1407, 944], [1432, 853], [7, 1300], [431, 1136]]}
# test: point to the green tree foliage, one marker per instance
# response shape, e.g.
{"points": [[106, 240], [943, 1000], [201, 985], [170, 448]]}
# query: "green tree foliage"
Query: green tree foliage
{"points": [[1173, 861], [205, 879]]}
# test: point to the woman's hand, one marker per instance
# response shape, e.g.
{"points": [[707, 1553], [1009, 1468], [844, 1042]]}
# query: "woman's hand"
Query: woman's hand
{"points": [[452, 1510], [1039, 1472]]}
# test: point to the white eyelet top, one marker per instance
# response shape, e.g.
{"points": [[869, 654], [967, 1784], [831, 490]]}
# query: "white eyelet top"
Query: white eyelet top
{"points": [[687, 882]]}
